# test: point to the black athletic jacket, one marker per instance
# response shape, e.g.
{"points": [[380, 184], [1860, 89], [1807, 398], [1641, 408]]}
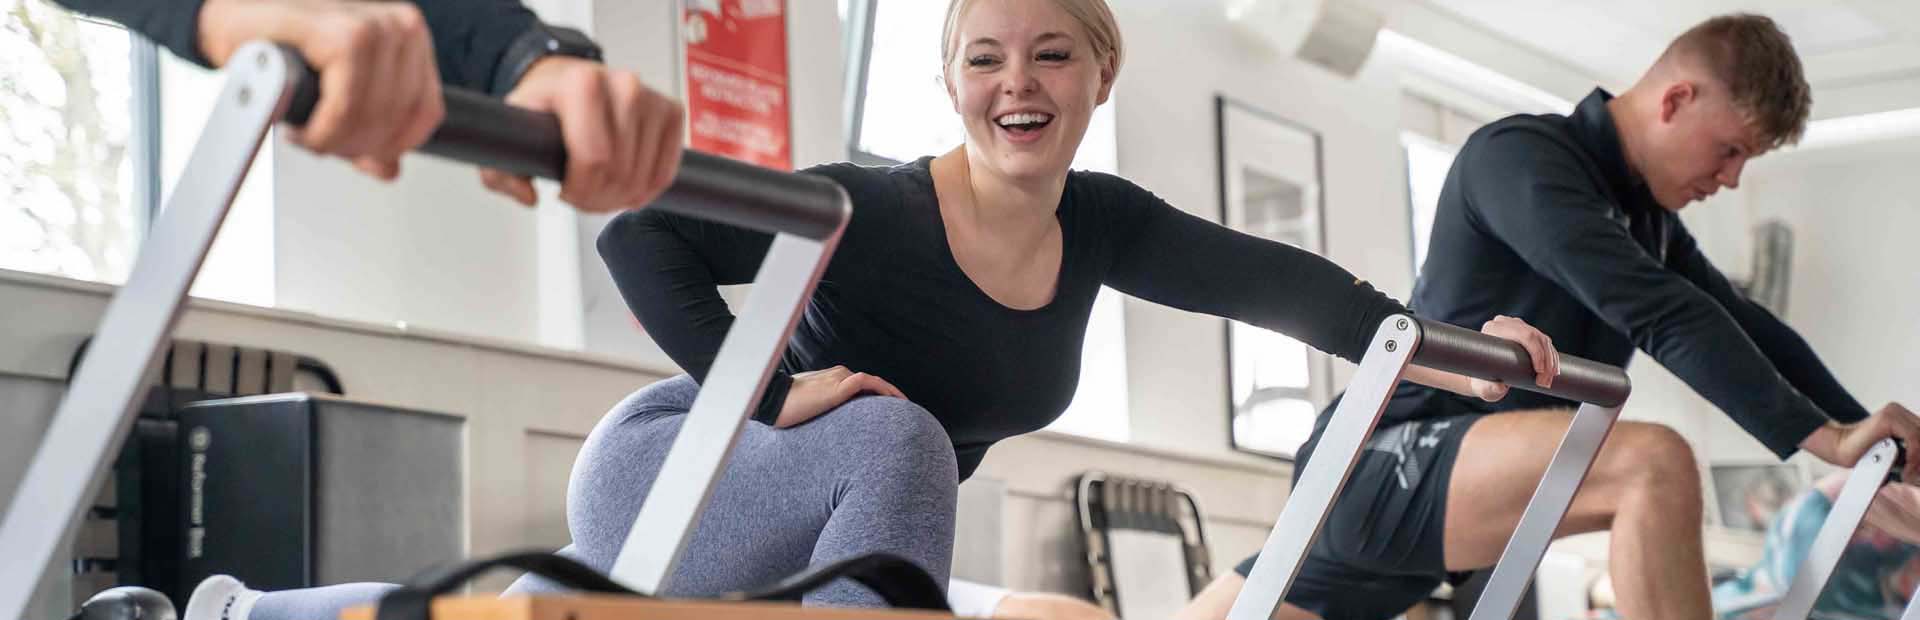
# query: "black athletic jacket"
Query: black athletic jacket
{"points": [[468, 35], [1541, 218]]}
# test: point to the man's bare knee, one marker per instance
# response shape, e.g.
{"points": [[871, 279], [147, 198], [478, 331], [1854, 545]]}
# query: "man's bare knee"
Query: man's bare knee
{"points": [[1656, 459]]}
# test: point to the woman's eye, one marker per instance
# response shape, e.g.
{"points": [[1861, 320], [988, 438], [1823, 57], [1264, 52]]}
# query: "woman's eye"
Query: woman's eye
{"points": [[1054, 56], [980, 61]]}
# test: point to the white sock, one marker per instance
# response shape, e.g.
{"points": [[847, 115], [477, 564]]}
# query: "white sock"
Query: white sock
{"points": [[221, 597]]}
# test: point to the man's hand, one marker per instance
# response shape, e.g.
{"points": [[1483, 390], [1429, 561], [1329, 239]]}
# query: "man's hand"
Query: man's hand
{"points": [[623, 139], [380, 97], [379, 86], [1546, 359], [1843, 445], [1896, 511]]}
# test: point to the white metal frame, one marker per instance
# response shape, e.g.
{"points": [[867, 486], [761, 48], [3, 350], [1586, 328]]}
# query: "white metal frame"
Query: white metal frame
{"points": [[1849, 508], [727, 399]]}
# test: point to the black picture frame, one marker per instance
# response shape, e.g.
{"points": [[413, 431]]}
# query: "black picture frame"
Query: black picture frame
{"points": [[1228, 112]]}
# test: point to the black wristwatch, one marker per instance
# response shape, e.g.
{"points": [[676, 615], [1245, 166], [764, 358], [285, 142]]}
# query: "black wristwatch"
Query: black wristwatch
{"points": [[539, 42]]}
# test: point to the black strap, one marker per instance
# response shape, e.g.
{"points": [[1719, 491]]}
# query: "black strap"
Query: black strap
{"points": [[896, 580], [899, 582], [412, 601]]}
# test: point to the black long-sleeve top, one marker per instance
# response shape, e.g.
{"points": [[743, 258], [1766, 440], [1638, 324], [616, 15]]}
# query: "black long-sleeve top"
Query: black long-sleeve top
{"points": [[894, 303], [469, 36], [1542, 218]]}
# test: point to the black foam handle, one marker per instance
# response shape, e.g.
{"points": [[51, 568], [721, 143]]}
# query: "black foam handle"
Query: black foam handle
{"points": [[1464, 351], [486, 132]]}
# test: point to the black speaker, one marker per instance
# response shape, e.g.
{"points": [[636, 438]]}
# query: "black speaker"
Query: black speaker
{"points": [[298, 490]]}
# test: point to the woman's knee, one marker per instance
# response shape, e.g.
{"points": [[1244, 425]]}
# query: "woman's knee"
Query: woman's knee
{"points": [[890, 431], [617, 464], [667, 396]]}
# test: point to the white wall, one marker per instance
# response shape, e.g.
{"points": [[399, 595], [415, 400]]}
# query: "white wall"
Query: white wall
{"points": [[1855, 289], [436, 249]]}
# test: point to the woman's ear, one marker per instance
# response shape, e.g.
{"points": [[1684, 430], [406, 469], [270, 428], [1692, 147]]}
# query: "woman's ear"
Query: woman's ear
{"points": [[1109, 69], [953, 98]]}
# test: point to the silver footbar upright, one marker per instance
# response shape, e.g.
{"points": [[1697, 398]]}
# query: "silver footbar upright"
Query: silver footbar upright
{"points": [[1402, 341], [267, 84], [1874, 470]]}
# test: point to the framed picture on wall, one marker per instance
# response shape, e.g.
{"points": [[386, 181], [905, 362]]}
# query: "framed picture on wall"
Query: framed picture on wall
{"points": [[1746, 496], [1271, 186]]}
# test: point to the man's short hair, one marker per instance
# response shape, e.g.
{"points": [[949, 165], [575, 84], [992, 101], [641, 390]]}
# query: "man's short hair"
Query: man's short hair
{"points": [[1755, 61]]}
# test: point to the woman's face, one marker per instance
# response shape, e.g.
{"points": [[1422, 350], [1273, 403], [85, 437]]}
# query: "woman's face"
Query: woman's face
{"points": [[1025, 80]]}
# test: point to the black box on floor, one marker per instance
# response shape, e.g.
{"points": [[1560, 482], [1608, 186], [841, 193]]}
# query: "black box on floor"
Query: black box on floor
{"points": [[297, 490]]}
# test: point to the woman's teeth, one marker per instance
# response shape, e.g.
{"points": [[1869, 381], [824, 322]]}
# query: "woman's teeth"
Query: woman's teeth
{"points": [[1024, 120]]}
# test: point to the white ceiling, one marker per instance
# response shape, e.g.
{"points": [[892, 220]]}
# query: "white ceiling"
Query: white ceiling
{"points": [[1861, 55]]}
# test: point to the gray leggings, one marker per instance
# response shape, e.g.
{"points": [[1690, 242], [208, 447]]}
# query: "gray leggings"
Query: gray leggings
{"points": [[876, 474]]}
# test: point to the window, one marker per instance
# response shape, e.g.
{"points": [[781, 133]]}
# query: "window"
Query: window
{"points": [[905, 112], [83, 166], [1427, 164], [240, 265], [67, 176], [1430, 136], [897, 111]]}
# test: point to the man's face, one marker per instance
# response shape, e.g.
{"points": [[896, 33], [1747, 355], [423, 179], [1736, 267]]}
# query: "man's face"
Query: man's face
{"points": [[1700, 144]]}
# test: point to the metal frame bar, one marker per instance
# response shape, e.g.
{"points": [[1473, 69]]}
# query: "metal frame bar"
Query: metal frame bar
{"points": [[733, 387], [92, 420], [1306, 509], [1571, 461], [1848, 509], [859, 47], [1399, 342], [148, 126]]}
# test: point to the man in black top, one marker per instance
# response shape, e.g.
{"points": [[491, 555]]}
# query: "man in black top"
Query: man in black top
{"points": [[381, 65], [1571, 223]]}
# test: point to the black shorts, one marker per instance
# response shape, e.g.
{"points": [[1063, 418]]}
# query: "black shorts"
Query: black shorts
{"points": [[1382, 549]]}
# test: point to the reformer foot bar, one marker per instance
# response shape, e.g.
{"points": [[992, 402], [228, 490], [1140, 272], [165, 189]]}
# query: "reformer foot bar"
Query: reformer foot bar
{"points": [[1879, 467], [1402, 341], [267, 83]]}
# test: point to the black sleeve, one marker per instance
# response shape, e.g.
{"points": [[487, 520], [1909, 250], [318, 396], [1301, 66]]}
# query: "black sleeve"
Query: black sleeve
{"points": [[1166, 256], [1531, 192], [469, 36], [1784, 347], [668, 267]]}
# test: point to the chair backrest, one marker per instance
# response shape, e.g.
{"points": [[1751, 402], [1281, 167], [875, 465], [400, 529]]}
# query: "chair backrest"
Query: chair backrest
{"points": [[192, 370], [1146, 546]]}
